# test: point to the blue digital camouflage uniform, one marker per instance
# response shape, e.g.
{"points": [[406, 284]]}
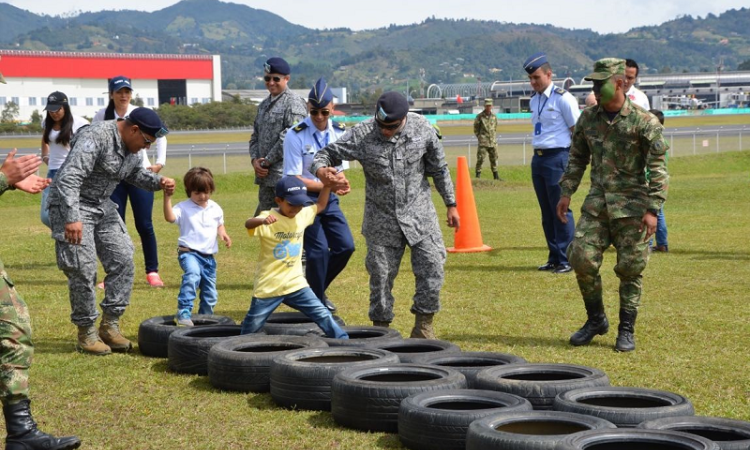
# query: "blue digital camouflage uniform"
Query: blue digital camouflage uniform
{"points": [[398, 207], [16, 348], [275, 117], [80, 192], [620, 195]]}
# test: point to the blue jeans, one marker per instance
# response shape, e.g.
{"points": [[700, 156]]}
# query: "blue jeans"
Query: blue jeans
{"points": [[44, 212], [304, 301], [142, 202], [661, 229], [200, 273]]}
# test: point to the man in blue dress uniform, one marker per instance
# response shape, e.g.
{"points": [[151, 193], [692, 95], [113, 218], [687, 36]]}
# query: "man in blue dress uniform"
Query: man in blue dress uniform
{"points": [[554, 113], [328, 241]]}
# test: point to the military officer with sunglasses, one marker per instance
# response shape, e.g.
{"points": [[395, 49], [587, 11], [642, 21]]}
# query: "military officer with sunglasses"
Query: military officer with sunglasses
{"points": [[276, 114], [85, 222], [328, 241], [398, 150]]}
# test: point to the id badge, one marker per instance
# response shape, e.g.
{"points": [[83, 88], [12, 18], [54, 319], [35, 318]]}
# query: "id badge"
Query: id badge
{"points": [[537, 128]]}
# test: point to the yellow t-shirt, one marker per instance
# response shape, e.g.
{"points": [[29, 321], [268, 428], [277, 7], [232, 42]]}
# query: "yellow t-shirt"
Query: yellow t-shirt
{"points": [[279, 270]]}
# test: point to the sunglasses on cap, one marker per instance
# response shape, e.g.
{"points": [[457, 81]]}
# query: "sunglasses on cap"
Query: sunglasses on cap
{"points": [[393, 126], [322, 112], [268, 78]]}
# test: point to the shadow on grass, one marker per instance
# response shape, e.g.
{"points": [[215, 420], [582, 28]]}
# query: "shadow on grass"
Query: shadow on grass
{"points": [[324, 419], [58, 346], [705, 255], [262, 402], [389, 441], [462, 267], [43, 282], [523, 341]]}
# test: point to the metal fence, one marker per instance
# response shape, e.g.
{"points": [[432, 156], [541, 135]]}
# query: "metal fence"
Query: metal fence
{"points": [[512, 151]]}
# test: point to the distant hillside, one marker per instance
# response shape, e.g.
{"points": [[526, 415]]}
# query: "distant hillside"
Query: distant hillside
{"points": [[447, 50]]}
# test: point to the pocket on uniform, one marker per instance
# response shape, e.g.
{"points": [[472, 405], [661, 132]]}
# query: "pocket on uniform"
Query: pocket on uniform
{"points": [[67, 255]]}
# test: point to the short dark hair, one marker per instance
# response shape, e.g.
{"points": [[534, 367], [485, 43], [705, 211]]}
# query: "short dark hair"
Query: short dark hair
{"points": [[631, 63], [546, 67], [199, 179], [659, 115]]}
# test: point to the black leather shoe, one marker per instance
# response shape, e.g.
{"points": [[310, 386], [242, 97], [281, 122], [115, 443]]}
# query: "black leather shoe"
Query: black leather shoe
{"points": [[329, 304], [547, 267], [563, 268]]}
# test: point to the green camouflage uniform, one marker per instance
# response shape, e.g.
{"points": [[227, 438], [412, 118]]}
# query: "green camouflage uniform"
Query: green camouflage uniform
{"points": [[484, 129], [16, 349], [620, 195]]}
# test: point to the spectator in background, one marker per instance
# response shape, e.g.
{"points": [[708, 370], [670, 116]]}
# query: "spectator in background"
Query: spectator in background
{"points": [[59, 127], [141, 200], [662, 245], [485, 126], [634, 94]]}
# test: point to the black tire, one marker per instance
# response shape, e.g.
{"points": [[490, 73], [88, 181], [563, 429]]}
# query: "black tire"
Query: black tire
{"points": [[243, 363], [412, 350], [471, 363], [369, 398], [188, 347], [294, 324], [727, 433], [539, 383], [302, 379], [153, 333], [363, 336], [633, 438], [626, 407], [439, 420], [529, 430]]}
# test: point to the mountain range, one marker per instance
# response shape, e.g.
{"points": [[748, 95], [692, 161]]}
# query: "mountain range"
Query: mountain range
{"points": [[433, 51]]}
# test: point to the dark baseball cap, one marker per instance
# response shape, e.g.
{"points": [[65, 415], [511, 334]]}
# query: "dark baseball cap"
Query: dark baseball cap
{"points": [[294, 191], [148, 121], [119, 82], [55, 101]]}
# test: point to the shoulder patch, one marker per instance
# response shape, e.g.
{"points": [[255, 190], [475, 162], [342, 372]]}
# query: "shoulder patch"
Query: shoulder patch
{"points": [[560, 91], [338, 125], [300, 127]]}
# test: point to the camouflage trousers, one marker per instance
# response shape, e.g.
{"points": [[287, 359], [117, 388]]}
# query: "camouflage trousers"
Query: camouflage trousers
{"points": [[593, 236], [106, 237], [427, 264], [492, 152], [266, 199], [16, 348]]}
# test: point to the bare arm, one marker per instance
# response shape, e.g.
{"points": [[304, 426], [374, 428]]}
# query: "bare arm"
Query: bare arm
{"points": [[255, 222], [224, 236], [168, 213]]}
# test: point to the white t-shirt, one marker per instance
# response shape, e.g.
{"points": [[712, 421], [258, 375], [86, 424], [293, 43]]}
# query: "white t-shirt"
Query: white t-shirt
{"points": [[161, 143], [198, 226], [638, 97], [57, 152]]}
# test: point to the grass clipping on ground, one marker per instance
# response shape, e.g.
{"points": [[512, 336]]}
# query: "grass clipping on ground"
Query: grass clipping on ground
{"points": [[692, 333]]}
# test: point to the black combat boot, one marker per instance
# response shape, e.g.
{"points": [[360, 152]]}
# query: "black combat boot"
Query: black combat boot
{"points": [[495, 175], [479, 174], [596, 324], [625, 340], [24, 435]]}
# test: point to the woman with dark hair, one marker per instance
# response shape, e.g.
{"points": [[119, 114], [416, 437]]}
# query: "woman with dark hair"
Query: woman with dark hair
{"points": [[141, 200], [59, 127]]}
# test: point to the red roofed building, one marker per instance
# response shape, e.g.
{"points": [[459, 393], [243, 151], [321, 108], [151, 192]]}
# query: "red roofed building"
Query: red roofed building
{"points": [[84, 78]]}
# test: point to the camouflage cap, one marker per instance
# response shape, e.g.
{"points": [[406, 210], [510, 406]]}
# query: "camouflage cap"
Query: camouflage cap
{"points": [[488, 102], [605, 68]]}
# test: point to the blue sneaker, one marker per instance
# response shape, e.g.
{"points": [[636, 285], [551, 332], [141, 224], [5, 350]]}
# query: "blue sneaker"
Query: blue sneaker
{"points": [[182, 319]]}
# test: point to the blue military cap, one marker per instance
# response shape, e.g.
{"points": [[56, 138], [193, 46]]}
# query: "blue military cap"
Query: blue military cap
{"points": [[534, 62], [320, 95], [391, 107], [148, 121], [277, 65]]}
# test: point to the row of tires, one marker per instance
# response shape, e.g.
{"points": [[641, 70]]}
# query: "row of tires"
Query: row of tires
{"points": [[431, 393]]}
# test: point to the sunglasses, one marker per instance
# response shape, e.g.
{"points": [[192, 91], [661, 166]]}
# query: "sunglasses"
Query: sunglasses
{"points": [[145, 139], [383, 126], [322, 112], [268, 79]]}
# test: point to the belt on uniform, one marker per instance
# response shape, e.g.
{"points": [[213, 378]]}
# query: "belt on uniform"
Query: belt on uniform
{"points": [[182, 249], [550, 151]]}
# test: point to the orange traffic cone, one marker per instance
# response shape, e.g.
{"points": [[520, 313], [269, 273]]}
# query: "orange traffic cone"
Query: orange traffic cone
{"points": [[468, 238]]}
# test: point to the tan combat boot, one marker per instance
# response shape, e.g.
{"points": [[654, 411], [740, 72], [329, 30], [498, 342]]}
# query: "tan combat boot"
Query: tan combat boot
{"points": [[109, 331], [89, 342], [423, 327], [379, 323]]}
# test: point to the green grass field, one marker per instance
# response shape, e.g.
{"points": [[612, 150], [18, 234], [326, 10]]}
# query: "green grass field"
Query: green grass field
{"points": [[693, 331]]}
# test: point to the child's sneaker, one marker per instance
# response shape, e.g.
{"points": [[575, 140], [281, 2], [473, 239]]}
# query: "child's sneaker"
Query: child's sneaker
{"points": [[154, 280], [183, 320]]}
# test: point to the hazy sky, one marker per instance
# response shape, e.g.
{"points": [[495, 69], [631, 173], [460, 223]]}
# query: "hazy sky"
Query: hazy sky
{"points": [[594, 14]]}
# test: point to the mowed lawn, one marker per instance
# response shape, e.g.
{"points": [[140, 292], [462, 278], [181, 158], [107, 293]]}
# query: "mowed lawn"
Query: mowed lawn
{"points": [[692, 334]]}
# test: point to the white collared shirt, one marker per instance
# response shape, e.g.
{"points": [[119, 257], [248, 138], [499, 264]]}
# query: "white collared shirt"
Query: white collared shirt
{"points": [[638, 97], [557, 113]]}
